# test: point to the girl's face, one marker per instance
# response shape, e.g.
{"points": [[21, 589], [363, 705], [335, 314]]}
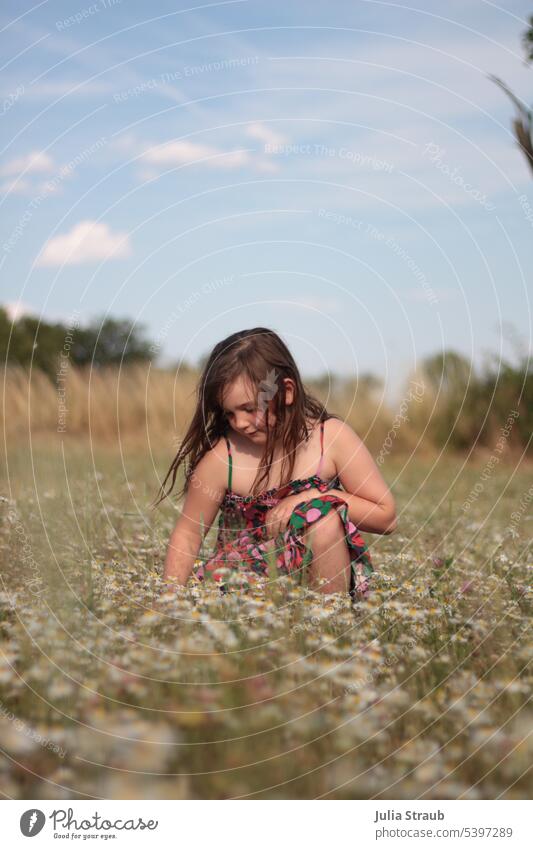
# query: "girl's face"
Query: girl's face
{"points": [[248, 415]]}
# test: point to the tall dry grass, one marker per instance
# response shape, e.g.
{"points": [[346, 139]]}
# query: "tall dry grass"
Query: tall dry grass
{"points": [[107, 404], [139, 403]]}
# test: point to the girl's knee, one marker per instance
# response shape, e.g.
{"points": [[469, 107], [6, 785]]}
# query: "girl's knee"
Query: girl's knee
{"points": [[326, 531]]}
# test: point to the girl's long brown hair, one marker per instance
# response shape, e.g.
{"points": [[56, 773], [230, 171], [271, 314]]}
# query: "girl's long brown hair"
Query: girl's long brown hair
{"points": [[261, 356]]}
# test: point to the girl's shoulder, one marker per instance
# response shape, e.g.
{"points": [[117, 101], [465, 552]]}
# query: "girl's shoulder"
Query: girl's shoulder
{"points": [[333, 426], [336, 424], [213, 464], [218, 453], [219, 446], [337, 435]]}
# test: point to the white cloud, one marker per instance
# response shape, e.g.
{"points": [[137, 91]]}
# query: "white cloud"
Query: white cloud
{"points": [[170, 154], [32, 163], [148, 174], [49, 187], [16, 187], [177, 153], [88, 241], [124, 143], [235, 159], [186, 152], [265, 134]]}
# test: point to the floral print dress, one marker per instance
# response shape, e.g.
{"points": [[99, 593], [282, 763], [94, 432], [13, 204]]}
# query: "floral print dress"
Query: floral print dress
{"points": [[241, 542]]}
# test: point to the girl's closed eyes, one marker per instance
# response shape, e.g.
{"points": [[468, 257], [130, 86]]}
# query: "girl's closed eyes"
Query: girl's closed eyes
{"points": [[256, 421]]}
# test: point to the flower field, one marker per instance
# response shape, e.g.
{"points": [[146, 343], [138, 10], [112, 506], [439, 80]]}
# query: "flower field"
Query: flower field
{"points": [[114, 686]]}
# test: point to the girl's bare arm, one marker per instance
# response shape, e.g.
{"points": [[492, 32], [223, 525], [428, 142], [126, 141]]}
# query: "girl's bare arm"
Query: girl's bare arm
{"points": [[202, 501], [371, 506]]}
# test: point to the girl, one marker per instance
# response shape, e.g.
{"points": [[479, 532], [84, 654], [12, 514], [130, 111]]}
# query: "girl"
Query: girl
{"points": [[274, 460]]}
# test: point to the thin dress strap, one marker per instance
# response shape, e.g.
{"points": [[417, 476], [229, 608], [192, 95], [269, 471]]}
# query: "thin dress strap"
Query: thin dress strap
{"points": [[230, 464], [321, 449]]}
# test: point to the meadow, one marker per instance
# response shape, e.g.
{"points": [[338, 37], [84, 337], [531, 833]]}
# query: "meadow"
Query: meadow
{"points": [[112, 685]]}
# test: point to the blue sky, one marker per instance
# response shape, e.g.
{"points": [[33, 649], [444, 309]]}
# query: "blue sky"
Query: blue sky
{"points": [[342, 172]]}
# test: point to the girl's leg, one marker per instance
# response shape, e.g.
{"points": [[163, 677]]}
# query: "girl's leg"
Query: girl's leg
{"points": [[331, 558]]}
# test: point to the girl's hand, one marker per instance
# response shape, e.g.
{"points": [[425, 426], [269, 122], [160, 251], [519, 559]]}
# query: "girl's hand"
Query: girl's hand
{"points": [[277, 518]]}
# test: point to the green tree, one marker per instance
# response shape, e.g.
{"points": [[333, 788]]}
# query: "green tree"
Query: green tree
{"points": [[472, 407], [447, 372], [110, 341], [450, 376], [30, 341]]}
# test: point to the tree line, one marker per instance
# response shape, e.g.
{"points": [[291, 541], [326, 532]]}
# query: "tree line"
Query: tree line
{"points": [[41, 344], [463, 406]]}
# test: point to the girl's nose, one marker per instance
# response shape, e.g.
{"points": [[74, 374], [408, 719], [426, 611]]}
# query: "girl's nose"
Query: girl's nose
{"points": [[242, 423]]}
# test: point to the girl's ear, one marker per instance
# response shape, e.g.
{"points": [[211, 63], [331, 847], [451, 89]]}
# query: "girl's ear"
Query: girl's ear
{"points": [[289, 391]]}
